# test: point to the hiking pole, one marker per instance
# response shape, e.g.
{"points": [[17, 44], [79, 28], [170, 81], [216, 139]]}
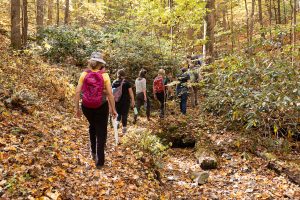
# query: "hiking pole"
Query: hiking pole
{"points": [[115, 126]]}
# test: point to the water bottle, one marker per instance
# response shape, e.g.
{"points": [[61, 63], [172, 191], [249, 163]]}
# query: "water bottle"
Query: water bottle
{"points": [[135, 110]]}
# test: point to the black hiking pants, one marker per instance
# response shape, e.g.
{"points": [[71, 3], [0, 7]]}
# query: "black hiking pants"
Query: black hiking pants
{"points": [[140, 101], [98, 120], [161, 98], [123, 110]]}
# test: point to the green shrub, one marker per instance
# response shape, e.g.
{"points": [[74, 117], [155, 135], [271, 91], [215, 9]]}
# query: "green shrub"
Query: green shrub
{"points": [[255, 93], [142, 140], [121, 48]]}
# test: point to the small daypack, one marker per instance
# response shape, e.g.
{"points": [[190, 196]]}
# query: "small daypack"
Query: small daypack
{"points": [[92, 89], [158, 84], [117, 92]]}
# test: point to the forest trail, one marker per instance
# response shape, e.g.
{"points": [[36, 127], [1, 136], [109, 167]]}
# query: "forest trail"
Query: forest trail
{"points": [[45, 152]]}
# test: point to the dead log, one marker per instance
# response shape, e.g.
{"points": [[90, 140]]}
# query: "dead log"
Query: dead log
{"points": [[291, 171]]}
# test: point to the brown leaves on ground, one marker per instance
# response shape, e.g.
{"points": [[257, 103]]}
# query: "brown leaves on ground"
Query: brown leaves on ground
{"points": [[44, 154]]}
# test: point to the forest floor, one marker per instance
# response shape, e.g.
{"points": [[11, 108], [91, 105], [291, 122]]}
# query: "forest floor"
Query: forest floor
{"points": [[44, 151]]}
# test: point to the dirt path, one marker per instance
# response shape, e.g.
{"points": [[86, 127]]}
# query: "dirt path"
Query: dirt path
{"points": [[236, 178]]}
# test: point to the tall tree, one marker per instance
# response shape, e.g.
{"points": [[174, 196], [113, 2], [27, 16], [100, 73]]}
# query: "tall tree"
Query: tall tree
{"points": [[170, 4], [50, 12], [210, 20], [247, 21], [15, 24], [67, 12], [275, 12], [24, 22], [57, 12], [40, 14], [279, 11], [261, 18], [270, 17], [231, 26], [251, 26]]}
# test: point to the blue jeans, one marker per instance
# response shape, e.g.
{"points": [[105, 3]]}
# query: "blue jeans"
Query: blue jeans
{"points": [[183, 101]]}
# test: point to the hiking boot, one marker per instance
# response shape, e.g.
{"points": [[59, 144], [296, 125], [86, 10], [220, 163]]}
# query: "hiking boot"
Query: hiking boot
{"points": [[99, 166], [94, 157], [124, 130]]}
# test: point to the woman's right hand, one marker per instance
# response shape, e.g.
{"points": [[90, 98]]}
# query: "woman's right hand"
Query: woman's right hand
{"points": [[113, 113]]}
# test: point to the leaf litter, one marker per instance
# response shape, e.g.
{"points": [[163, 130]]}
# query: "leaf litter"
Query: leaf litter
{"points": [[44, 153]]}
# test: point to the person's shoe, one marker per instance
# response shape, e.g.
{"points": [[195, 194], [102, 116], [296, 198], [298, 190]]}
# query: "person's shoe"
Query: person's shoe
{"points": [[99, 166], [94, 157], [124, 130]]}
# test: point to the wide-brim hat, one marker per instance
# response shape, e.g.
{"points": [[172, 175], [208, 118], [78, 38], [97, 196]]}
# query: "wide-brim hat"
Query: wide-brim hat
{"points": [[97, 56]]}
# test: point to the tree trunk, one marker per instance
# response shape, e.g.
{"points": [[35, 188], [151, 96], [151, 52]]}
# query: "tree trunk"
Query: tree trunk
{"points": [[204, 38], [170, 2], [57, 12], [67, 12], [270, 18], [247, 21], [24, 23], [40, 14], [275, 12], [261, 18], [279, 11], [251, 28], [50, 12], [284, 12], [210, 19], [224, 23], [294, 28], [231, 26], [15, 24]]}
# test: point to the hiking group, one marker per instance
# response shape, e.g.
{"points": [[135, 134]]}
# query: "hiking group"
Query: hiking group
{"points": [[100, 98]]}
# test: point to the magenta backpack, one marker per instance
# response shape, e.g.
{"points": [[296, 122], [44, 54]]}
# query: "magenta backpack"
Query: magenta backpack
{"points": [[92, 89]]}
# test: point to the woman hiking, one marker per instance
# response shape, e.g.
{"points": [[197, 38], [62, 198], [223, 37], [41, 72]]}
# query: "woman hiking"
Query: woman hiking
{"points": [[182, 89], [124, 99], [95, 87], [159, 91], [141, 94]]}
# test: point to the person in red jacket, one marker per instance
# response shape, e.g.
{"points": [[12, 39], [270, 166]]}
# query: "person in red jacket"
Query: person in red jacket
{"points": [[159, 90]]}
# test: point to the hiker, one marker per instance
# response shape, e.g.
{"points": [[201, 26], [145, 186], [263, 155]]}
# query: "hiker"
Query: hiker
{"points": [[194, 68], [95, 87], [159, 90], [182, 89], [141, 94], [124, 100]]}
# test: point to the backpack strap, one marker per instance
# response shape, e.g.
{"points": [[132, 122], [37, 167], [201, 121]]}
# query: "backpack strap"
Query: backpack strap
{"points": [[122, 82]]}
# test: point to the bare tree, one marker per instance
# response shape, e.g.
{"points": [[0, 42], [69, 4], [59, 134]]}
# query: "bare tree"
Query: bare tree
{"points": [[270, 17], [67, 12], [15, 24], [24, 22], [50, 12], [279, 11], [247, 20], [261, 18], [40, 14], [210, 20], [231, 26], [251, 26], [57, 12]]}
